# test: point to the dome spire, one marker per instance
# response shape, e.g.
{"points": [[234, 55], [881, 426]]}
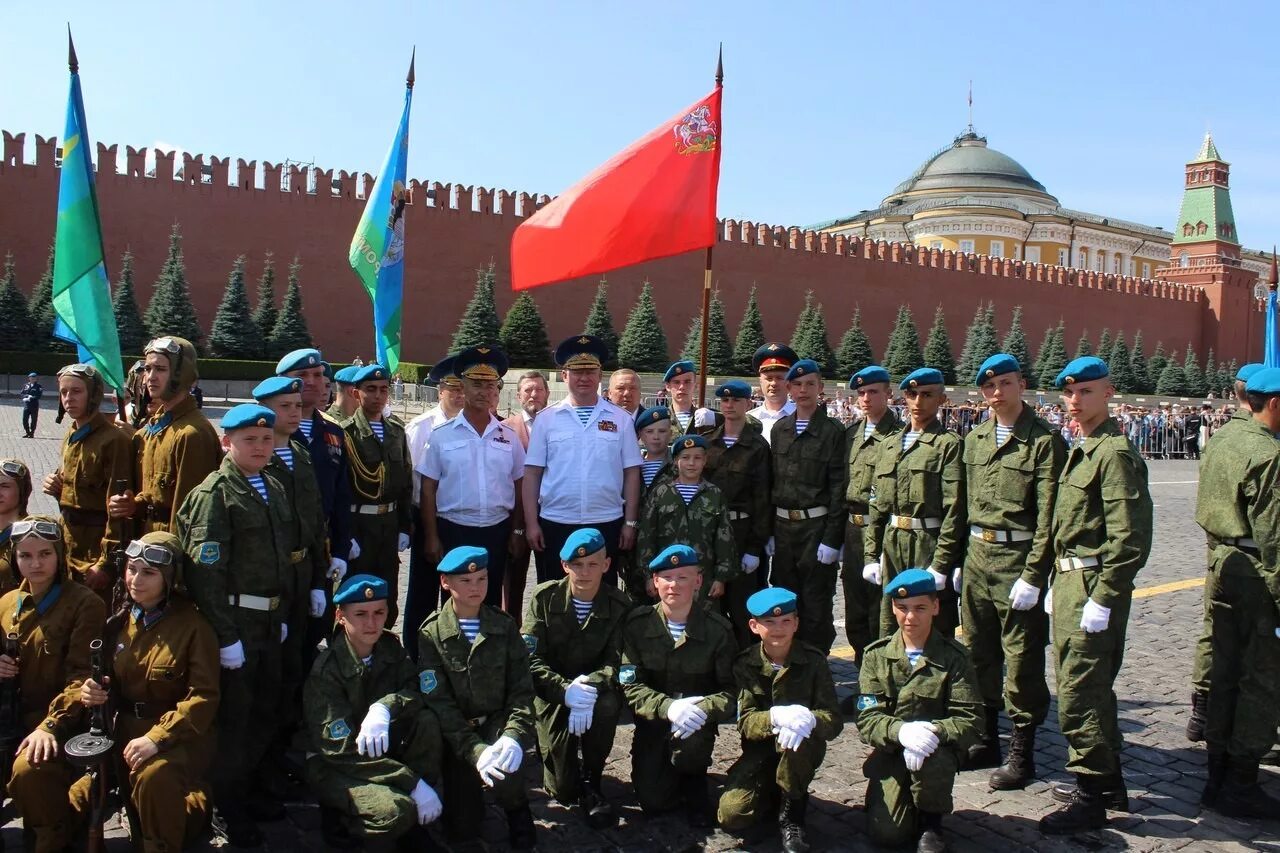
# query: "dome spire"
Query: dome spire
{"points": [[970, 131]]}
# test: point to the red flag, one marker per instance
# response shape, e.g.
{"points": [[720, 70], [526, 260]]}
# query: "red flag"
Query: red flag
{"points": [[654, 199]]}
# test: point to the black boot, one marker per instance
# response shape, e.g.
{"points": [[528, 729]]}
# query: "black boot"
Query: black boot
{"points": [[521, 834], [1217, 770], [986, 754], [1241, 795], [233, 824], [1111, 790], [334, 830], [1199, 715], [1020, 767], [791, 824], [931, 840], [1085, 813], [596, 810], [697, 804]]}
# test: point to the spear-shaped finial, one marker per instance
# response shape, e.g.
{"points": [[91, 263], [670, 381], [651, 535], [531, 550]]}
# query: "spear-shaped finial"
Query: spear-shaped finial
{"points": [[720, 66], [72, 62], [412, 56]]}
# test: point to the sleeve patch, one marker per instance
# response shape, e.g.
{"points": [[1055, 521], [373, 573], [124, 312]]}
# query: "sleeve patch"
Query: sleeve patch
{"points": [[530, 642], [427, 681], [338, 730], [627, 675], [209, 553], [865, 702]]}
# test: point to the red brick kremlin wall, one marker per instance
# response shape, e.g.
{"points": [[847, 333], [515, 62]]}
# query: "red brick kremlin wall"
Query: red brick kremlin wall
{"points": [[227, 209]]}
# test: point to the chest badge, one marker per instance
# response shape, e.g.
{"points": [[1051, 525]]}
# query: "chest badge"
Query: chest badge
{"points": [[427, 681]]}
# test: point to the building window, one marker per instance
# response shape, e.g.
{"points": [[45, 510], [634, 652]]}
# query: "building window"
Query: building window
{"points": [[1031, 254], [1099, 258], [997, 248], [935, 244], [1184, 260], [966, 246], [1115, 264], [1082, 260], [1201, 228], [1062, 257], [1146, 270], [1188, 229]]}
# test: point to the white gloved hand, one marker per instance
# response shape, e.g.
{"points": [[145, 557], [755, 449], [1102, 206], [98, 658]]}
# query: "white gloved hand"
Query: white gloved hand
{"points": [[337, 569], [580, 719], [939, 579], [770, 546], [232, 656], [704, 418], [402, 542], [487, 766], [919, 736], [1278, 633], [1094, 618], [427, 801], [317, 603], [915, 760], [374, 738], [796, 717], [354, 553], [871, 573], [955, 578], [580, 695], [686, 717], [1023, 595], [1048, 601], [510, 754], [750, 563], [789, 738], [827, 555], [284, 631]]}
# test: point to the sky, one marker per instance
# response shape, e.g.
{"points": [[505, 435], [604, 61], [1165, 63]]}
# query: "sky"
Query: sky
{"points": [[827, 106]]}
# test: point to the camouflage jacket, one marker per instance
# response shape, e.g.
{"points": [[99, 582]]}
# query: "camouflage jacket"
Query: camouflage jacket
{"points": [[702, 524]]}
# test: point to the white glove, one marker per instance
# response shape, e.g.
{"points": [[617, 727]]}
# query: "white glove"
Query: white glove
{"points": [[955, 578], [704, 418], [770, 546], [1278, 633], [1095, 618], [915, 760], [510, 754], [1023, 595], [232, 656], [487, 766], [939, 579], [579, 695], [284, 631], [337, 569], [317, 603], [580, 719], [402, 542], [827, 555], [750, 563], [789, 738], [1048, 601], [427, 802], [686, 717], [871, 573], [354, 553], [919, 736], [798, 718], [374, 738]]}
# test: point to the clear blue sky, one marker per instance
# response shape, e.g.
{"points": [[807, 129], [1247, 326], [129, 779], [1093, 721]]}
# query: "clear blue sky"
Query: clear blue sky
{"points": [[827, 105]]}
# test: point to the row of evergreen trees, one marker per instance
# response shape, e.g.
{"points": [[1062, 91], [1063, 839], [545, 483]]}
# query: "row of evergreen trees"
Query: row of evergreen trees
{"points": [[266, 332]]}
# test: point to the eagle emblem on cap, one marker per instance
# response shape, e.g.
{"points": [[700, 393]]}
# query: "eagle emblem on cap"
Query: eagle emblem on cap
{"points": [[582, 550], [688, 442], [471, 567], [584, 340], [675, 559], [368, 592], [902, 592], [777, 611], [482, 350]]}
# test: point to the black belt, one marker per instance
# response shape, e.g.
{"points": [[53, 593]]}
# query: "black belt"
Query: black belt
{"points": [[83, 517]]}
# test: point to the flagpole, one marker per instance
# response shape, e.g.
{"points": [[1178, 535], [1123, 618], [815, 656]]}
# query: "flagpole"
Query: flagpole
{"points": [[706, 276]]}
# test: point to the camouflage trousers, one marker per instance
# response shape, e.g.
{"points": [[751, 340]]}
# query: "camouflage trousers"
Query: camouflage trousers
{"points": [[896, 795], [762, 775]]}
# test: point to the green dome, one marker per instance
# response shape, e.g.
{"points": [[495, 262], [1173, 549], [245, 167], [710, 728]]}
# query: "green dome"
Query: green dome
{"points": [[969, 164]]}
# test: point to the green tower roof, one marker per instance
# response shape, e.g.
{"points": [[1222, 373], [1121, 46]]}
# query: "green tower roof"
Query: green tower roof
{"points": [[1209, 204], [1208, 151]]}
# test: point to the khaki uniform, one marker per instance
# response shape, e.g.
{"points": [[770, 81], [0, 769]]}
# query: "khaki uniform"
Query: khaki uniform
{"points": [[176, 450], [91, 463], [382, 491], [560, 650], [1103, 513], [9, 576], [335, 413], [861, 599], [764, 772], [702, 524], [373, 794], [656, 670], [941, 689]]}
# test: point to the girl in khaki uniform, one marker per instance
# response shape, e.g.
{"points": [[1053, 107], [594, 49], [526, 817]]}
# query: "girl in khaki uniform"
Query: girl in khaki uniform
{"points": [[15, 491]]}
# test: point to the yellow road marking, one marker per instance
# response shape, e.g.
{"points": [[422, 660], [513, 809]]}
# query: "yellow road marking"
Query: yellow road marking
{"points": [[1173, 586]]}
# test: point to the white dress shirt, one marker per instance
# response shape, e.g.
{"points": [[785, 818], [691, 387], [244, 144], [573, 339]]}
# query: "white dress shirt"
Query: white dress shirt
{"points": [[767, 418], [582, 465], [418, 434], [475, 473]]}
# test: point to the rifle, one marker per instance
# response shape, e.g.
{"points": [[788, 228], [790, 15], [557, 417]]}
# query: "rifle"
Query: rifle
{"points": [[92, 750], [119, 593], [10, 711]]}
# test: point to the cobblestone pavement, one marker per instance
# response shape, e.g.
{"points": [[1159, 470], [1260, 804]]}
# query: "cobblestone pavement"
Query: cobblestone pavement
{"points": [[1164, 772]]}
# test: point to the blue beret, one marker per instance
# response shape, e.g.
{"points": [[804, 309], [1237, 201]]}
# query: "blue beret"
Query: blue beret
{"points": [[581, 352], [276, 385], [773, 357], [687, 442], [803, 367], [371, 373], [997, 365], [652, 415], [463, 560], [581, 542], [909, 583], [1264, 381], [1084, 369], [347, 375], [484, 362], [774, 601], [358, 588], [734, 389], [299, 359], [673, 557], [247, 415], [328, 370], [32, 375], [868, 376], [679, 368], [1243, 374], [922, 376], [443, 372]]}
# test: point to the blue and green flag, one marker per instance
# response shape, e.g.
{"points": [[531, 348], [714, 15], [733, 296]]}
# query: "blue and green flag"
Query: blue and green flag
{"points": [[377, 249], [81, 291]]}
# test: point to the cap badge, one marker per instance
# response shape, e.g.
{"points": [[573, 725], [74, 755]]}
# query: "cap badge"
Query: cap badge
{"points": [[675, 559], [262, 422], [773, 347], [584, 340], [368, 592], [991, 372], [482, 350], [859, 380], [688, 442], [582, 551], [777, 611], [1069, 380], [902, 592], [311, 359], [471, 567], [913, 383]]}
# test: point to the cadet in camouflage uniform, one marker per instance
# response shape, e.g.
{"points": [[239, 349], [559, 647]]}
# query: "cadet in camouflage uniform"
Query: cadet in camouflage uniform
{"points": [[373, 747], [1101, 539], [809, 474], [918, 516], [574, 633], [347, 401], [475, 676], [1236, 506], [677, 674], [787, 712], [681, 381], [1011, 461], [15, 491], [919, 711], [653, 430], [239, 529]]}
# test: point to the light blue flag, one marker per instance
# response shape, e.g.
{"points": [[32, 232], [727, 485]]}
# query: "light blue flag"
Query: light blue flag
{"points": [[1271, 347]]}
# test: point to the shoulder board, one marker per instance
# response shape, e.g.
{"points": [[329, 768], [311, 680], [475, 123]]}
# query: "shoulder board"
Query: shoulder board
{"points": [[875, 644], [717, 617], [813, 651], [395, 419], [640, 612]]}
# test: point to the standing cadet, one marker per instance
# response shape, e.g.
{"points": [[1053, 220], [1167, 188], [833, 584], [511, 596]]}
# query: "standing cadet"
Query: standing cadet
{"points": [[373, 747], [739, 464], [865, 437], [918, 710], [1237, 508], [531, 395], [475, 676], [809, 472], [347, 401], [677, 674], [177, 448], [381, 483], [771, 363], [574, 634], [680, 380], [1101, 538], [917, 517], [787, 712], [1011, 462], [15, 491], [95, 455], [31, 394], [239, 529]]}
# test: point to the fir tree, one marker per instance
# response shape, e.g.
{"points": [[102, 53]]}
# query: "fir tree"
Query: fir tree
{"points": [[903, 354], [937, 352], [1084, 346], [980, 341], [233, 334], [1015, 340], [1211, 374], [1156, 365], [855, 349], [1193, 376], [810, 338], [1171, 380], [750, 336], [1104, 344], [1033, 378], [264, 316], [719, 351], [170, 311], [1119, 365], [124, 305], [1054, 357], [291, 331], [600, 324], [479, 323], [1229, 380], [800, 336], [524, 335], [643, 345], [42, 312], [1142, 383], [15, 318]]}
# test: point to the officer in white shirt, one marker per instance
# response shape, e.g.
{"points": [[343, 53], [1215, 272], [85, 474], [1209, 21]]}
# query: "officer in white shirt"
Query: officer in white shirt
{"points": [[583, 465], [771, 363]]}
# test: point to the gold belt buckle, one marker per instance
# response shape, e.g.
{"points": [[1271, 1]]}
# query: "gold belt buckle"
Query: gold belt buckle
{"points": [[859, 520], [795, 514], [274, 601], [298, 556], [902, 522], [989, 536]]}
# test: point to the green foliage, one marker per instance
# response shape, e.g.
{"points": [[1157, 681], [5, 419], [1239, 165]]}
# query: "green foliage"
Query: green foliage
{"points": [[1015, 340], [1228, 381], [750, 336], [124, 305], [1138, 370], [1104, 344], [937, 352], [524, 335], [42, 312], [15, 318], [266, 314], [1156, 365], [643, 345], [1172, 380], [980, 342], [479, 323], [1084, 346], [170, 311], [291, 331], [234, 334], [1053, 356], [903, 353], [1211, 374], [719, 350], [600, 324], [1193, 376], [1120, 364], [855, 350], [810, 337]]}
